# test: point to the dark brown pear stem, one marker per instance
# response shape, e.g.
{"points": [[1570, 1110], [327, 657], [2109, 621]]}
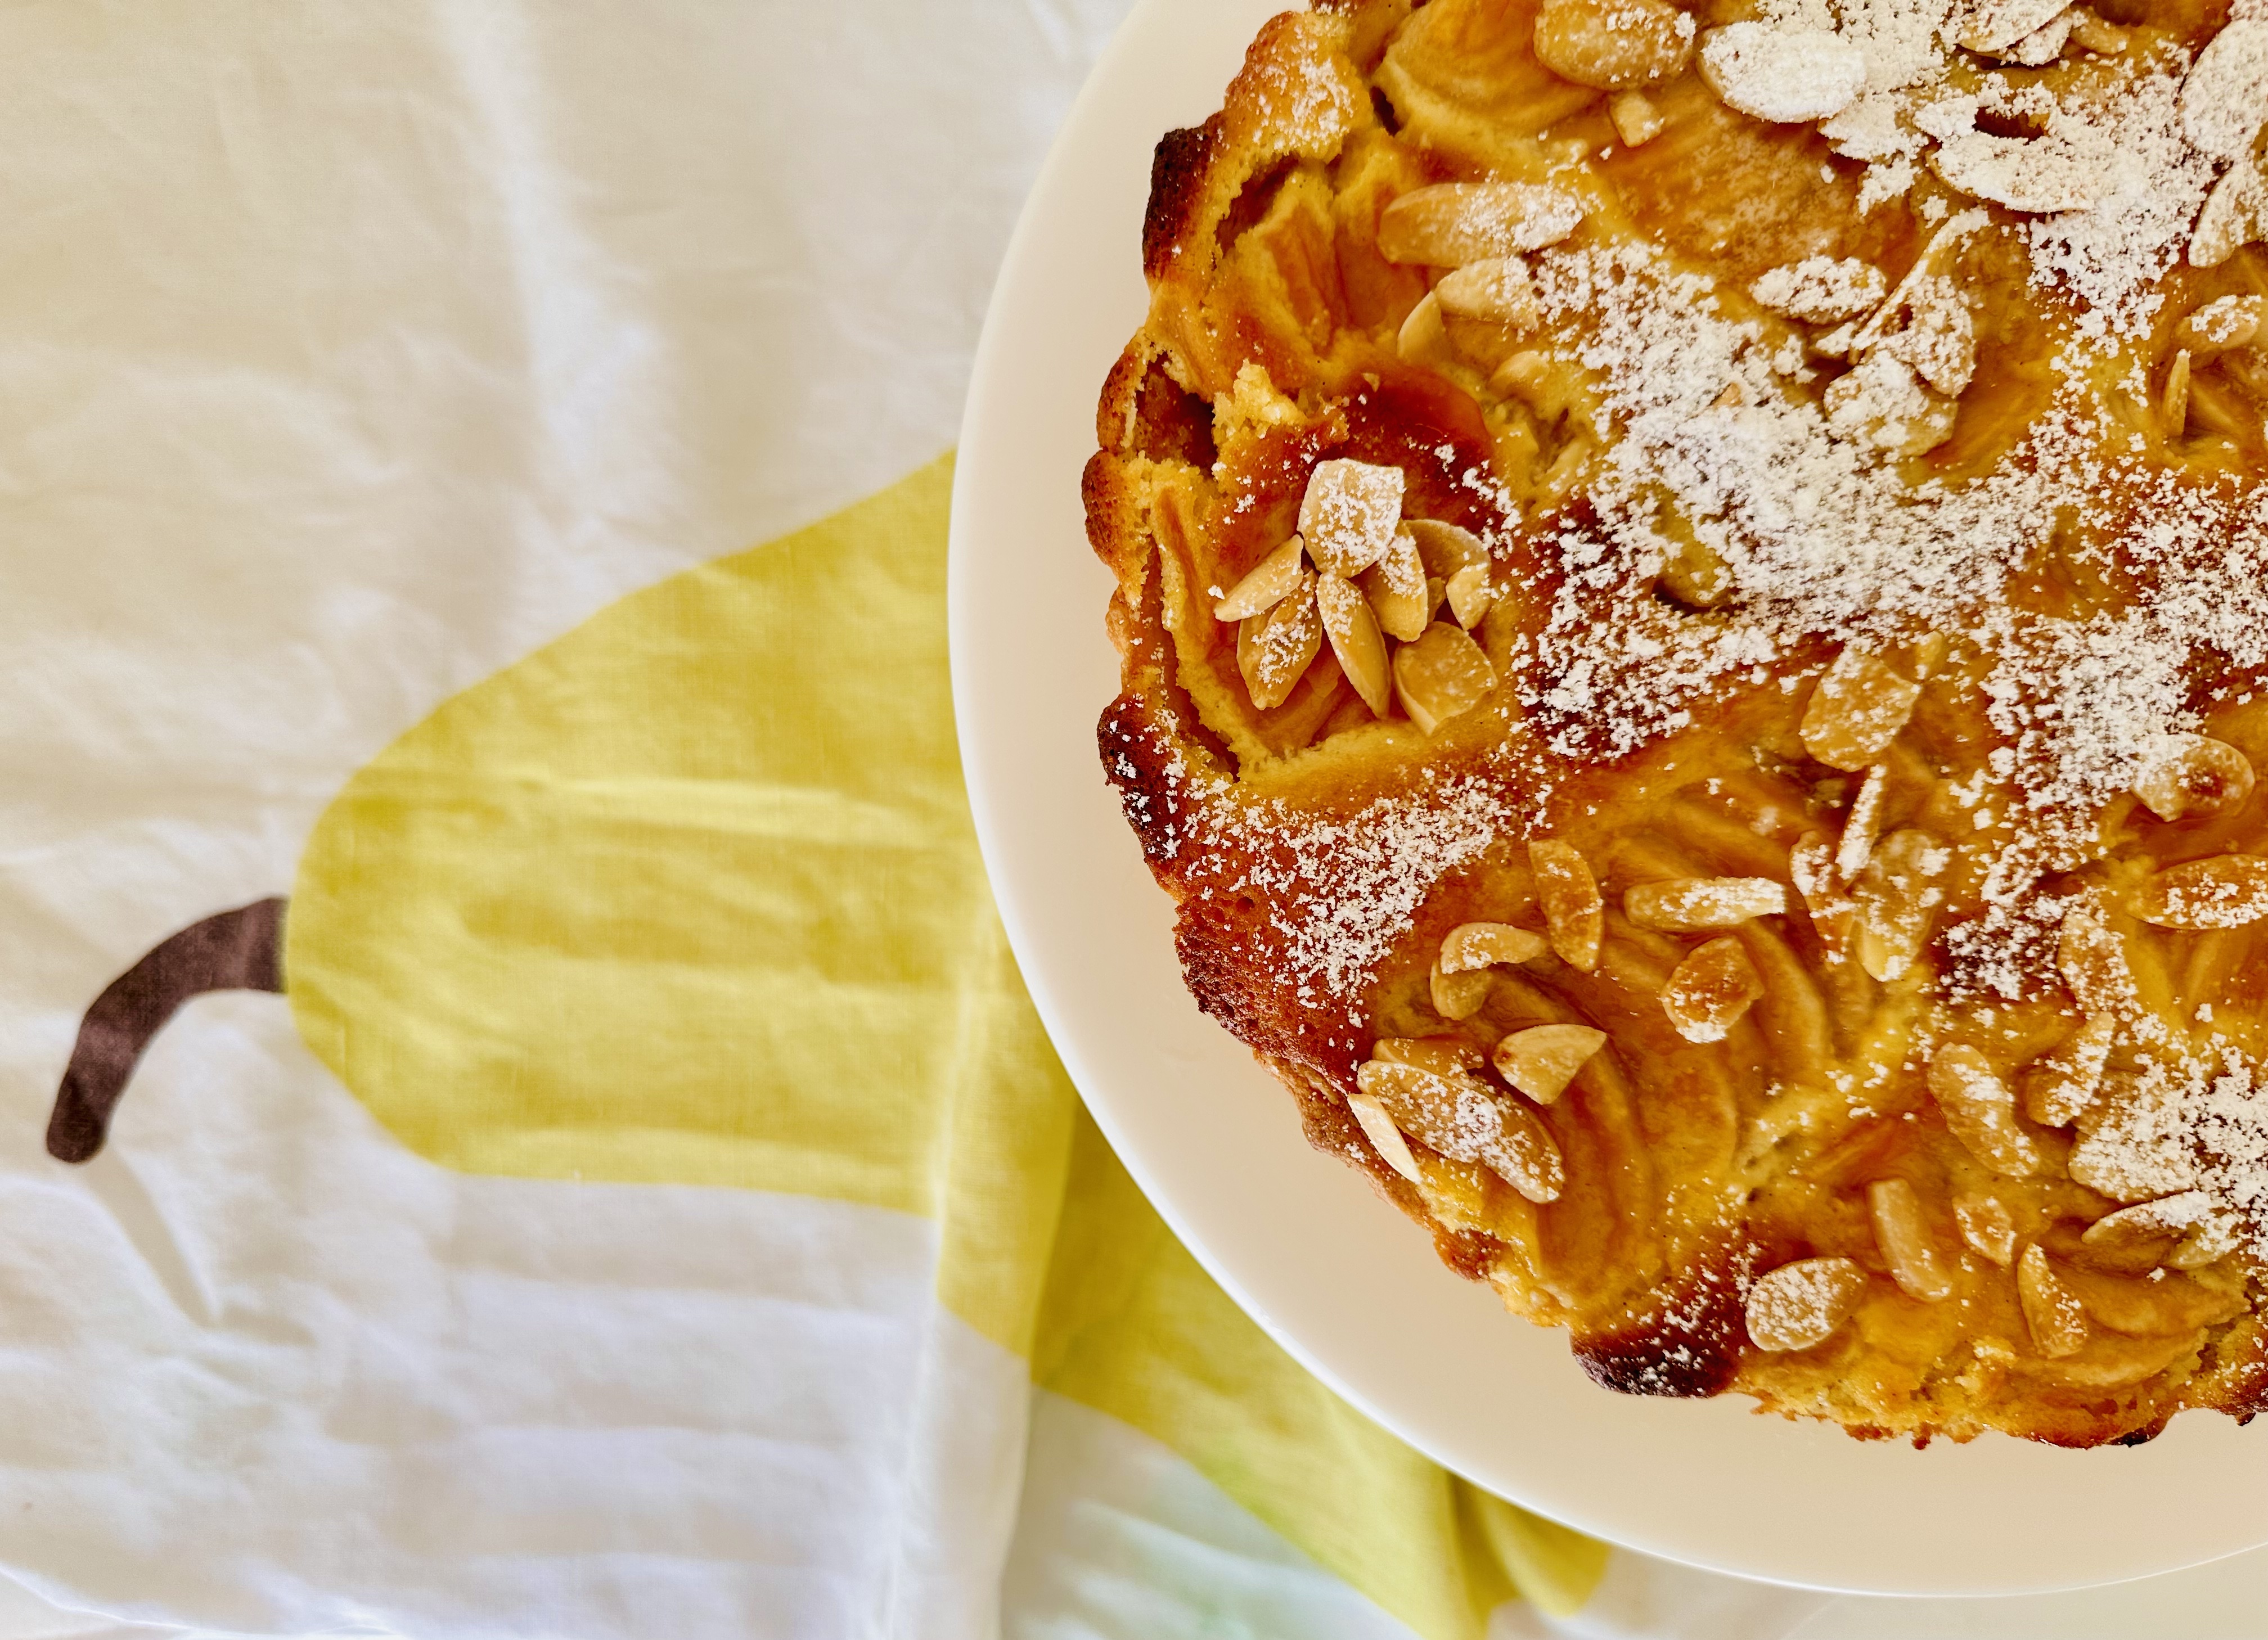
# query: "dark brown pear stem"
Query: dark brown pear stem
{"points": [[235, 950]]}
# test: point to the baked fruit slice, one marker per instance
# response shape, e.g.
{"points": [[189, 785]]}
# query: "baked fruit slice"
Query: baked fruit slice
{"points": [[1692, 584]]}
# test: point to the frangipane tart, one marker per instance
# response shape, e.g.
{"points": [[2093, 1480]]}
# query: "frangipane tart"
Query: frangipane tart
{"points": [[1692, 582]]}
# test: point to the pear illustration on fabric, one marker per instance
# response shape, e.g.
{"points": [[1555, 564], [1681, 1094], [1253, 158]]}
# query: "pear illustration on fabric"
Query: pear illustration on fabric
{"points": [[591, 916]]}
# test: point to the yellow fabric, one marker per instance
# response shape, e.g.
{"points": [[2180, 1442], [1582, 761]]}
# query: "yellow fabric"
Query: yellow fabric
{"points": [[691, 895]]}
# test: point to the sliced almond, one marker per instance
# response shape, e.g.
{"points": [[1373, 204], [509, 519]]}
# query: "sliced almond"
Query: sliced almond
{"points": [[1788, 76], [2221, 1234], [1903, 1237], [1274, 650], [1385, 1137], [2146, 1224], [1348, 515], [2063, 1085], [1883, 407], [1543, 1060], [2225, 98], [1692, 903], [1355, 639], [2090, 30], [2052, 1312], [2193, 777], [1801, 1304], [1442, 675], [2174, 398], [1981, 1111], [1461, 1118], [1939, 344], [1498, 291], [1459, 996], [1994, 26], [2231, 321], [1395, 586], [2091, 959], [1987, 1225], [1423, 340], [1709, 992], [1444, 1055], [1857, 709], [1445, 548], [1636, 120], [1613, 45], [1864, 827], [1811, 867], [1822, 290], [1898, 903], [2235, 215], [2226, 891], [1574, 913], [1449, 225], [1272, 580], [1470, 595], [1472, 946]]}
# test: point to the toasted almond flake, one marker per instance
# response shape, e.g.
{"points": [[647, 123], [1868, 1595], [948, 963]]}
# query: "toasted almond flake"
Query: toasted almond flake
{"points": [[1443, 1054], [1709, 992], [1470, 595], [1395, 586], [1348, 515], [1355, 639], [1987, 1225], [1636, 120], [1613, 45], [1447, 224], [1543, 1060], [2226, 891], [2129, 1147], [1442, 675], [1471, 946], [1801, 1304], [2039, 175], [1385, 1137], [2091, 960], [1574, 913], [2146, 1224], [1895, 900], [1981, 1111], [1498, 291], [2225, 98], [1996, 24], [2052, 1312], [2195, 776], [1692, 903], [1786, 75], [1424, 339], [1811, 868], [1857, 709], [1445, 548], [1459, 996], [2229, 321], [2090, 30], [1903, 1235], [1864, 827], [2235, 215], [2042, 45], [1884, 405], [1822, 290], [2221, 1234], [1939, 343], [1271, 581], [1459, 1117], [1274, 650], [2062, 1085]]}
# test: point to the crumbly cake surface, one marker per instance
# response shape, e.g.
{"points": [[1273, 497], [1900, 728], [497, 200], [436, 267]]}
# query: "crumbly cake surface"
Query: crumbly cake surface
{"points": [[1693, 598]]}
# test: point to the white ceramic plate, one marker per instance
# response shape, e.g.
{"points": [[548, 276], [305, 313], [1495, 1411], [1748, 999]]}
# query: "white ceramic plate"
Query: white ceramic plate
{"points": [[1343, 1281]]}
